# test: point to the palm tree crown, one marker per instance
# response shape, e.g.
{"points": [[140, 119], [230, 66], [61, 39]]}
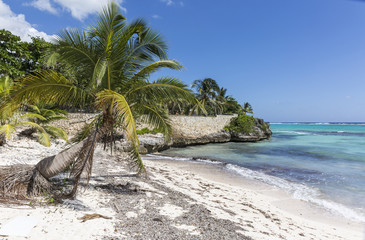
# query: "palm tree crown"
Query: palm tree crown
{"points": [[112, 60]]}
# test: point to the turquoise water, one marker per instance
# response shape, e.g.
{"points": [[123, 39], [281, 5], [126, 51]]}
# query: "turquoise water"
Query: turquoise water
{"points": [[321, 163]]}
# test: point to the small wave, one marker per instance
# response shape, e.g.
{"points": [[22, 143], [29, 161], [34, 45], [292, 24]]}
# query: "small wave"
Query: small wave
{"points": [[319, 123], [295, 132], [153, 156], [177, 158], [298, 191]]}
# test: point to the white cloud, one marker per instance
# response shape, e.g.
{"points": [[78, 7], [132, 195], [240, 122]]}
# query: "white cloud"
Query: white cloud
{"points": [[80, 9], [44, 5], [168, 2], [172, 2], [17, 24], [155, 16]]}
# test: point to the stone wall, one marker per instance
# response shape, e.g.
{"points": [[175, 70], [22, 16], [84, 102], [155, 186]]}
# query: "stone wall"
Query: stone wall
{"points": [[198, 126], [186, 130], [183, 126], [74, 123]]}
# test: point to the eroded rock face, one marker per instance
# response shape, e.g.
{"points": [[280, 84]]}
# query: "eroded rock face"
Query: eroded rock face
{"points": [[156, 142], [260, 132], [152, 143], [218, 137]]}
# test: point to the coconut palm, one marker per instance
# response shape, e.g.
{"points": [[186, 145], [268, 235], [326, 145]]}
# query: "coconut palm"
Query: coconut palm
{"points": [[247, 108], [113, 60], [38, 121], [221, 100], [207, 91]]}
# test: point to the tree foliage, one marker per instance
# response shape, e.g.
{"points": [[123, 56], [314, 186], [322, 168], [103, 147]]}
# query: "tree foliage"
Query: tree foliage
{"points": [[241, 124], [113, 60], [212, 100], [18, 58]]}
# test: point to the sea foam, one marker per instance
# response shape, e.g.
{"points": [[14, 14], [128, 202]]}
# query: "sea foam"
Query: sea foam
{"points": [[298, 191]]}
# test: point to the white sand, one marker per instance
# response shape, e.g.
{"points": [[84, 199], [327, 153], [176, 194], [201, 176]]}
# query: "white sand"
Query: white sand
{"points": [[260, 211], [270, 213]]}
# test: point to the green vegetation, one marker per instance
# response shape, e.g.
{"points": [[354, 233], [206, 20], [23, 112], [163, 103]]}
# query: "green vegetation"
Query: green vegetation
{"points": [[212, 100], [105, 68], [241, 124], [113, 60], [146, 131], [38, 120], [20, 58], [247, 108]]}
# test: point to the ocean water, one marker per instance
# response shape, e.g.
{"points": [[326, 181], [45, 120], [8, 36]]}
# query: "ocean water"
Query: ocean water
{"points": [[321, 163]]}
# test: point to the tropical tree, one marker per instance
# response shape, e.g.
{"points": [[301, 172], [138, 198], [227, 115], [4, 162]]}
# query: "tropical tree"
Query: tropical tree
{"points": [[5, 83], [38, 121], [12, 54], [19, 58], [246, 108], [114, 60], [207, 91], [232, 106]]}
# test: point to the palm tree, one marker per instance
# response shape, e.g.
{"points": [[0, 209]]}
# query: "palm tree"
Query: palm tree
{"points": [[114, 60], [207, 91], [5, 84], [38, 121], [246, 108], [221, 100]]}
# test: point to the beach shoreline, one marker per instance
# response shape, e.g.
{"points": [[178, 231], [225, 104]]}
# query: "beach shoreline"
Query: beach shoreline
{"points": [[177, 200], [279, 197]]}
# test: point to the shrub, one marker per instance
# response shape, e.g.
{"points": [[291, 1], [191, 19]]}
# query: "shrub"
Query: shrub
{"points": [[241, 124], [146, 130]]}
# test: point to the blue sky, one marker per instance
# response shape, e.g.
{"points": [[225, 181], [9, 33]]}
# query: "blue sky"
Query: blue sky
{"points": [[293, 60]]}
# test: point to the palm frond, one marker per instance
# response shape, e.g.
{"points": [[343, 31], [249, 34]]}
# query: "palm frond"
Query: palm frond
{"points": [[42, 135], [156, 118], [35, 109], [110, 20], [108, 99], [73, 47], [56, 132], [138, 164], [163, 89], [155, 66], [7, 130], [98, 72], [43, 138], [47, 87], [5, 83], [32, 115]]}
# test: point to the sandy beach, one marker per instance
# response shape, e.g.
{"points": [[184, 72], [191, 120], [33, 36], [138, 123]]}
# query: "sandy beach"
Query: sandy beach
{"points": [[177, 200]]}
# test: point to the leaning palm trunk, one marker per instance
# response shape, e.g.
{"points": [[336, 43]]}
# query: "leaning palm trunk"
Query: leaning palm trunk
{"points": [[26, 180]]}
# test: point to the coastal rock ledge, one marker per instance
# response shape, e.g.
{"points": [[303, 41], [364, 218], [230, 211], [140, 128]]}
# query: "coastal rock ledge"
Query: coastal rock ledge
{"points": [[197, 130], [186, 131]]}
